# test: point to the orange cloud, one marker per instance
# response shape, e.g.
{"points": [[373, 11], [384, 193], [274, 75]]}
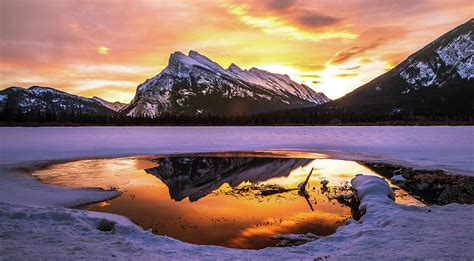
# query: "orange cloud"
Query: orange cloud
{"points": [[353, 51], [48, 42], [346, 75], [272, 24]]}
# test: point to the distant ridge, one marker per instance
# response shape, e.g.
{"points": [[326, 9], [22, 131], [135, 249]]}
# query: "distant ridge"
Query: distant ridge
{"points": [[116, 106], [46, 104]]}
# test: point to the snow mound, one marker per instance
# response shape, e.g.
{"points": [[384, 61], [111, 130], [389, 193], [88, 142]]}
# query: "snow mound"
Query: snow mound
{"points": [[370, 190], [398, 178]]}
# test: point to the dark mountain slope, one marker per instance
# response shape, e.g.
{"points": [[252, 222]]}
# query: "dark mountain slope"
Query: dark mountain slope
{"points": [[44, 104], [436, 80]]}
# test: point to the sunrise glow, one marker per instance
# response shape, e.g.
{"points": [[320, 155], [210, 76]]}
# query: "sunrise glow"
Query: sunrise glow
{"points": [[103, 50], [110, 47]]}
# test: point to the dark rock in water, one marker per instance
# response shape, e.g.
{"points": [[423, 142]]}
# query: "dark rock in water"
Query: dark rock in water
{"points": [[423, 185], [106, 225], [272, 189], [289, 240], [284, 243], [351, 201]]}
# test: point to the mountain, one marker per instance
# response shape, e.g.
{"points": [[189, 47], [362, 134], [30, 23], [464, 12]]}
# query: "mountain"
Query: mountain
{"points": [[436, 80], [435, 84], [115, 106], [44, 104], [193, 84]]}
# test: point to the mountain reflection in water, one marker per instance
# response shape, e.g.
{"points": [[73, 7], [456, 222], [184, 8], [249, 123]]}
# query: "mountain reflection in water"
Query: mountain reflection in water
{"points": [[198, 176]]}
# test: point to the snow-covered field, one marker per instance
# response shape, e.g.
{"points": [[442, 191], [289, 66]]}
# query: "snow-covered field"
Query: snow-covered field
{"points": [[450, 148], [33, 225]]}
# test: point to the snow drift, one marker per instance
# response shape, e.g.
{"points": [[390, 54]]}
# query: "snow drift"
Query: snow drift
{"points": [[386, 231]]}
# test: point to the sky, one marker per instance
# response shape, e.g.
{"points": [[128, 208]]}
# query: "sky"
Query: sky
{"points": [[107, 47]]}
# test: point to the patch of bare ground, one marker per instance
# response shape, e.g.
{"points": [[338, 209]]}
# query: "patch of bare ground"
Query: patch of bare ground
{"points": [[429, 186]]}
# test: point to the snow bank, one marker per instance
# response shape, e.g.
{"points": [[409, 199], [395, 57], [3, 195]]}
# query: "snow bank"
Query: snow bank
{"points": [[387, 231], [19, 188]]}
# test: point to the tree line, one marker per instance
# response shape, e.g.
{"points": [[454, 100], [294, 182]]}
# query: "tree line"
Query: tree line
{"points": [[15, 116]]}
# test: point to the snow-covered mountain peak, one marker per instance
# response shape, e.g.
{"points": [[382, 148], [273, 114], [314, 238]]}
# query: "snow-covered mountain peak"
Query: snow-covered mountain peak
{"points": [[201, 58], [179, 61], [234, 68], [194, 84], [41, 90], [181, 65], [176, 56], [15, 88], [265, 73], [257, 70]]}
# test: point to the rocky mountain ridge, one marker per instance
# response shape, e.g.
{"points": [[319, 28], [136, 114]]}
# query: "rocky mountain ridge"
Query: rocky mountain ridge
{"points": [[193, 84]]}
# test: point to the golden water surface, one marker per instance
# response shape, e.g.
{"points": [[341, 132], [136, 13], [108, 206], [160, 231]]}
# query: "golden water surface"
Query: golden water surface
{"points": [[228, 209]]}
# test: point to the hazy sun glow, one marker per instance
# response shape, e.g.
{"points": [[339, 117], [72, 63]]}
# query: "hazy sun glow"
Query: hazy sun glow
{"points": [[103, 50], [109, 47]]}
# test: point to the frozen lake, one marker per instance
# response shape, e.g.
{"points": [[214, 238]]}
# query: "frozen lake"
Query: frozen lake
{"points": [[26, 203], [449, 148]]}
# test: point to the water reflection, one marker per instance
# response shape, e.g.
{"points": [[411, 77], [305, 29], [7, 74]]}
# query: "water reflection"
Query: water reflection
{"points": [[196, 177], [233, 200]]}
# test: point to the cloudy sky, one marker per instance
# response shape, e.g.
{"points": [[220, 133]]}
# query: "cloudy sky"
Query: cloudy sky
{"points": [[108, 47]]}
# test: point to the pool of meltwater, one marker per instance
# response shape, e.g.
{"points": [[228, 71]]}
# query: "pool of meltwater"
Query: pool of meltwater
{"points": [[238, 200]]}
